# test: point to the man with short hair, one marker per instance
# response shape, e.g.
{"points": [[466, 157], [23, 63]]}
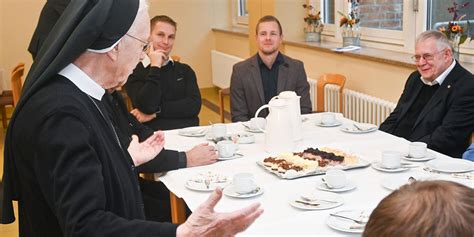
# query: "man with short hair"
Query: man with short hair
{"points": [[64, 160], [256, 80], [437, 104], [164, 92]]}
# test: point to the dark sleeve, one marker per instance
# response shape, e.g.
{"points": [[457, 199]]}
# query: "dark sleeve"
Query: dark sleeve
{"points": [[165, 161], [144, 88], [190, 104], [70, 176], [238, 103], [457, 124], [391, 121], [302, 89]]}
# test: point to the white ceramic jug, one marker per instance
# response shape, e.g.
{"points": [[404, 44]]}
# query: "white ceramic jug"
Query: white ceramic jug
{"points": [[293, 102], [278, 135]]}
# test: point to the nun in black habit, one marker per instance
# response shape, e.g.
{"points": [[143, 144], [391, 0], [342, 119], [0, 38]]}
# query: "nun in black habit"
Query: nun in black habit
{"points": [[63, 161]]}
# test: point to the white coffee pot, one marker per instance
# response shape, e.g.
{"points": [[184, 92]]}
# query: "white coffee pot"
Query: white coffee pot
{"points": [[293, 101], [278, 135]]}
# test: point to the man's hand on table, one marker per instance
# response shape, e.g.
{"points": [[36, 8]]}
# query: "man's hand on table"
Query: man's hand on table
{"points": [[206, 222], [202, 154]]}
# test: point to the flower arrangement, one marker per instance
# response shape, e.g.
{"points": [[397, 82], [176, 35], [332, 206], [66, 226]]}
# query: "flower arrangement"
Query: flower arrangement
{"points": [[351, 19], [313, 21], [455, 31]]}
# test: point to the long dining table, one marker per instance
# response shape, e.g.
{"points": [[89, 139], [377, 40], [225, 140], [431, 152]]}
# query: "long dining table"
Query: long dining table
{"points": [[279, 217]]}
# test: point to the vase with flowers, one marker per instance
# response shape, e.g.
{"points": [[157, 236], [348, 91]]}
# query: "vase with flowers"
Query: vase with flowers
{"points": [[349, 24], [314, 25], [456, 32]]}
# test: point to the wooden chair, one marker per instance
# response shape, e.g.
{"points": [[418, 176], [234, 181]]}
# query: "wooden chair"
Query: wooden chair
{"points": [[329, 78], [472, 137], [222, 93], [11, 97]]}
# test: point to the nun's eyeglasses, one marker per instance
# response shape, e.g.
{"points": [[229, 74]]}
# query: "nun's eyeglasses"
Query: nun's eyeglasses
{"points": [[146, 45]]}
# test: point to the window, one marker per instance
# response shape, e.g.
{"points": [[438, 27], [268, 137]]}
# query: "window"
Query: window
{"points": [[242, 13], [381, 14], [438, 13]]}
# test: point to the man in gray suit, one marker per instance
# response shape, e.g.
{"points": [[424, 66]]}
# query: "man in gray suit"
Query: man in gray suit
{"points": [[256, 80]]}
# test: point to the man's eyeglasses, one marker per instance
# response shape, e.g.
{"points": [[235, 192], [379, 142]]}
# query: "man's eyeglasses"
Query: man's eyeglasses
{"points": [[426, 56], [146, 45]]}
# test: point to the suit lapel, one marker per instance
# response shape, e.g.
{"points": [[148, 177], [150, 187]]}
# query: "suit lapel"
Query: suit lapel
{"points": [[256, 78], [416, 90], [440, 94], [283, 71]]}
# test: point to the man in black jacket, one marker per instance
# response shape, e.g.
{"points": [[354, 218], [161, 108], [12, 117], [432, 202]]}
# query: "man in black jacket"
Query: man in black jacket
{"points": [[437, 104], [164, 92]]}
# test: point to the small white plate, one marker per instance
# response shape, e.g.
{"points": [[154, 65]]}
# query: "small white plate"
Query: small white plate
{"points": [[201, 186], [396, 181], [349, 186], [235, 156], [324, 125], [429, 156], [346, 225], [364, 128], [229, 191], [193, 132], [376, 165], [323, 200], [450, 165]]}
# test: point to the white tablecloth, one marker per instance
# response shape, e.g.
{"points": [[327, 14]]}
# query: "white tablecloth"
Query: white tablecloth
{"points": [[279, 218]]}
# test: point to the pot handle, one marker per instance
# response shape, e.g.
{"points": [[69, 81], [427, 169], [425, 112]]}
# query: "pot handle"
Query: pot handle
{"points": [[258, 111]]}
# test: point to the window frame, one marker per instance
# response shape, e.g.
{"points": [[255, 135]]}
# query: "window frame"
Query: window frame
{"points": [[237, 19]]}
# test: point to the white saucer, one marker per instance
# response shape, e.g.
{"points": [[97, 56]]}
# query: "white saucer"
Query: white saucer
{"points": [[332, 200], [450, 165], [376, 165], [252, 130], [366, 128], [349, 186], [235, 156], [345, 225], [396, 181], [429, 156], [193, 132], [197, 182], [324, 125], [229, 191]]}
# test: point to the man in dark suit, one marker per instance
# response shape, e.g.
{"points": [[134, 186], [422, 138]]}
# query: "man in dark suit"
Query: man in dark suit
{"points": [[437, 104], [256, 80]]}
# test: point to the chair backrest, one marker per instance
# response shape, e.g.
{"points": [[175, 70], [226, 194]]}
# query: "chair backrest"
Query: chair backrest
{"points": [[16, 82], [329, 78], [176, 58]]}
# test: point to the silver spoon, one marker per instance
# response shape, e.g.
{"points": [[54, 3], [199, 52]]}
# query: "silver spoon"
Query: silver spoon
{"points": [[326, 183], [362, 222]]}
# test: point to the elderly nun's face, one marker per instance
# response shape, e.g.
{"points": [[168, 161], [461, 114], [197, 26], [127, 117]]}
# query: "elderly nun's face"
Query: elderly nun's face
{"points": [[131, 48]]}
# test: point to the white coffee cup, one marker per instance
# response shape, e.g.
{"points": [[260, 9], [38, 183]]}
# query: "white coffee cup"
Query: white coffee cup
{"points": [[417, 149], [335, 178], [219, 130], [244, 183], [391, 159], [226, 148], [328, 118], [256, 123]]}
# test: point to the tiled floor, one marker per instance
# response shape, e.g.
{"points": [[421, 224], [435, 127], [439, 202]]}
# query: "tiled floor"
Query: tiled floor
{"points": [[208, 114]]}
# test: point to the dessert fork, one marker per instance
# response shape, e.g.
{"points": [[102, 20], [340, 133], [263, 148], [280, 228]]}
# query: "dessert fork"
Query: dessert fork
{"points": [[358, 221]]}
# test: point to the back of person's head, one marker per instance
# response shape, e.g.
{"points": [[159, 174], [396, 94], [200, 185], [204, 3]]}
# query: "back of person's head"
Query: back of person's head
{"points": [[427, 208], [442, 41], [163, 18], [269, 18]]}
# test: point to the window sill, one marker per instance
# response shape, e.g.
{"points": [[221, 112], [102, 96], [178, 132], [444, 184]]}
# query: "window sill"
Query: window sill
{"points": [[366, 53]]}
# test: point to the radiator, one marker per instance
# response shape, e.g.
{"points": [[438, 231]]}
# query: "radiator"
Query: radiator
{"points": [[357, 106], [222, 64]]}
